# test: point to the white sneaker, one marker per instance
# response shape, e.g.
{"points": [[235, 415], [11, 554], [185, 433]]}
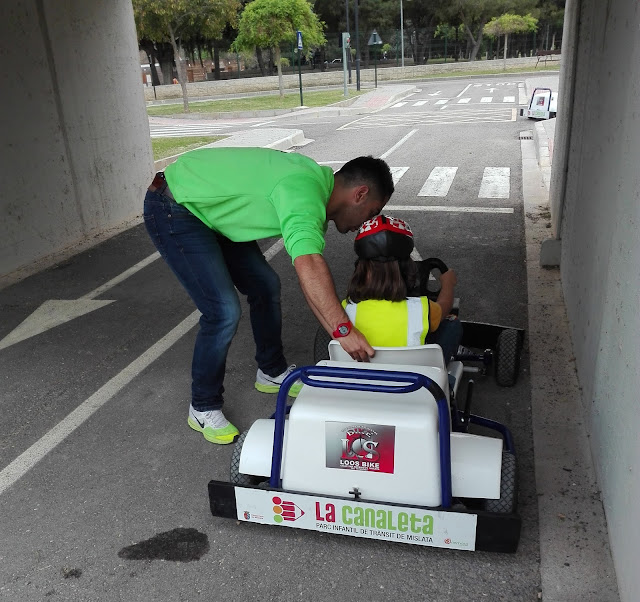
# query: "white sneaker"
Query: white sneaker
{"points": [[271, 384], [213, 426]]}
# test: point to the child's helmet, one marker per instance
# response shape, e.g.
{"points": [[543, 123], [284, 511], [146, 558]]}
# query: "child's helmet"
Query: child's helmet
{"points": [[384, 238]]}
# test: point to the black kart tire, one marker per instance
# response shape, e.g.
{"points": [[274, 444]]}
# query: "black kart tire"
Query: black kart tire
{"points": [[321, 345], [508, 502], [236, 477], [507, 358]]}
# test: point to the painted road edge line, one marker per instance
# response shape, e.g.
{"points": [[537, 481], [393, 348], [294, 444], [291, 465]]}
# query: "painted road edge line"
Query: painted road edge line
{"points": [[398, 144], [436, 208]]}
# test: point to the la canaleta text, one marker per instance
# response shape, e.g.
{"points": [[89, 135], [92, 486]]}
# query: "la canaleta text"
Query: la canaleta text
{"points": [[359, 516]]}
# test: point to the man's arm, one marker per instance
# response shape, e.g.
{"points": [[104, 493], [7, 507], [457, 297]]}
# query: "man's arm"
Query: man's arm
{"points": [[448, 282], [320, 292]]}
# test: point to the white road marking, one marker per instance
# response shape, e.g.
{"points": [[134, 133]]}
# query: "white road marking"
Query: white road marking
{"points": [[495, 183], [398, 144], [486, 99], [442, 101], [509, 99], [522, 97], [435, 93], [438, 182], [398, 104], [461, 93], [463, 101], [419, 103], [31, 456], [397, 173], [257, 125], [55, 312], [443, 209]]}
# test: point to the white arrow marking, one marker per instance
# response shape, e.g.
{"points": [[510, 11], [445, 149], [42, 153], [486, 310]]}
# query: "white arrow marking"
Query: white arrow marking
{"points": [[55, 312], [492, 90]]}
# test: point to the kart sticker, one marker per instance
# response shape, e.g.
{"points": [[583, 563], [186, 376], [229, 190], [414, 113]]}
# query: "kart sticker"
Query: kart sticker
{"points": [[357, 446]]}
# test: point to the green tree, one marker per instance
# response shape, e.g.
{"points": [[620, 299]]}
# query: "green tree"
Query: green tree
{"points": [[269, 23], [475, 14], [181, 20], [508, 23]]}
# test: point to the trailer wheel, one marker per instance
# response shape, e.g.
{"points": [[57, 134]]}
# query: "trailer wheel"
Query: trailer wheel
{"points": [[238, 478], [507, 358], [321, 345], [508, 501]]}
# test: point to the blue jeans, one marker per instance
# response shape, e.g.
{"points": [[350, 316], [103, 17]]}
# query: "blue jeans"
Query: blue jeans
{"points": [[448, 335], [210, 267]]}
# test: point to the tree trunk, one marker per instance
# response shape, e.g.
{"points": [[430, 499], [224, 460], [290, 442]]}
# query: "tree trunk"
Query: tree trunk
{"points": [[276, 52], [477, 42], [182, 71], [216, 63], [504, 56], [260, 60]]}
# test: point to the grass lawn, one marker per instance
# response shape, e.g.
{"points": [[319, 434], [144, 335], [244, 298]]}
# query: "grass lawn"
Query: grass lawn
{"points": [[290, 100], [167, 147]]}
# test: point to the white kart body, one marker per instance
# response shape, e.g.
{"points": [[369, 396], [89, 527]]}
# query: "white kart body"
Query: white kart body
{"points": [[543, 104], [383, 444]]}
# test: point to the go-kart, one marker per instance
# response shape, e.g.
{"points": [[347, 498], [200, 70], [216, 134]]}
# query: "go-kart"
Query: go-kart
{"points": [[379, 450]]}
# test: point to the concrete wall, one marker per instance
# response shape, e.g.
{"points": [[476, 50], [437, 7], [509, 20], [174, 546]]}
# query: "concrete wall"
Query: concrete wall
{"points": [[600, 262], [75, 151], [333, 77]]}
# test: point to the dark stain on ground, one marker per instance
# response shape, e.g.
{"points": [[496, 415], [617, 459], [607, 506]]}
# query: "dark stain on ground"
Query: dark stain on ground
{"points": [[180, 545], [70, 572]]}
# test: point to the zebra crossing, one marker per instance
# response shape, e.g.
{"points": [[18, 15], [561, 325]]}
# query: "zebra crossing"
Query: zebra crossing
{"points": [[471, 115], [187, 129], [495, 184], [441, 102]]}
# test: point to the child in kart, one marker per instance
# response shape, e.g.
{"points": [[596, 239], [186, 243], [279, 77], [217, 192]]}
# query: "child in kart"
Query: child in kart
{"points": [[383, 299]]}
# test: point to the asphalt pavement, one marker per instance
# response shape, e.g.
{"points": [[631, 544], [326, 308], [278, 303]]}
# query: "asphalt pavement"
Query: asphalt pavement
{"points": [[96, 455]]}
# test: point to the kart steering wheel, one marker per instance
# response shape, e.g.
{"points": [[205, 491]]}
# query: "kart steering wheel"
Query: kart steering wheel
{"points": [[430, 287]]}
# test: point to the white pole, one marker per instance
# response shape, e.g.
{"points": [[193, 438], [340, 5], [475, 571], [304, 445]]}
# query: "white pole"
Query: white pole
{"points": [[401, 33]]}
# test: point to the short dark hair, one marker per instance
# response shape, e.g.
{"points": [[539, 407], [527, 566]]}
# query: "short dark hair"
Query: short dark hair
{"points": [[388, 281], [373, 172]]}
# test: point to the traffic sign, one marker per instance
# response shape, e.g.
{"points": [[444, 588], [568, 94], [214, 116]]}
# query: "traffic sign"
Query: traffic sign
{"points": [[299, 36], [375, 39]]}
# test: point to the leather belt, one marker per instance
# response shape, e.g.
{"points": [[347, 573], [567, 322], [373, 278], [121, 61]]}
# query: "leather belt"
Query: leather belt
{"points": [[160, 185]]}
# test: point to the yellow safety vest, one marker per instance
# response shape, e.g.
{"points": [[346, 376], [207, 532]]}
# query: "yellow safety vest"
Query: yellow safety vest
{"points": [[391, 323]]}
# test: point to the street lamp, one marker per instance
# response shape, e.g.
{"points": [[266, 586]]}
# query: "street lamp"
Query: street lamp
{"points": [[401, 33]]}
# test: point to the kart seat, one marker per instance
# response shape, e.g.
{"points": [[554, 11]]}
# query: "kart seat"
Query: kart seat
{"points": [[420, 355]]}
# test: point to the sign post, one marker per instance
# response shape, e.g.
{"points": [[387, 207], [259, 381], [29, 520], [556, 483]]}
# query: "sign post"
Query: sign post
{"points": [[375, 40], [299, 38], [346, 49]]}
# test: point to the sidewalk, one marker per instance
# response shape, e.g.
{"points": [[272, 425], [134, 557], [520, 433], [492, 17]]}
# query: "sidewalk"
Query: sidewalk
{"points": [[575, 559]]}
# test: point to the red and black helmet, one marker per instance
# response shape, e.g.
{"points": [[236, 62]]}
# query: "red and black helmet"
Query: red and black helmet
{"points": [[384, 238]]}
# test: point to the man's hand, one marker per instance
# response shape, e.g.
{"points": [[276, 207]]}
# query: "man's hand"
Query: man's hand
{"points": [[356, 345], [318, 288]]}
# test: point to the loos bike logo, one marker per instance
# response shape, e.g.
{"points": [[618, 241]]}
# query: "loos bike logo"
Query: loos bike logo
{"points": [[368, 447]]}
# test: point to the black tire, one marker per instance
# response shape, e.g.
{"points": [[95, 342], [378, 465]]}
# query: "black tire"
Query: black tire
{"points": [[508, 502], [238, 478], [507, 358], [321, 345]]}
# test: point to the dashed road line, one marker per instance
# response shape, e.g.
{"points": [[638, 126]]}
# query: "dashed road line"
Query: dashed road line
{"points": [[495, 183], [438, 182]]}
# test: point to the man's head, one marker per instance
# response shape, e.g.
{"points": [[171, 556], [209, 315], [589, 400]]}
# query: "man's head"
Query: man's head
{"points": [[361, 190]]}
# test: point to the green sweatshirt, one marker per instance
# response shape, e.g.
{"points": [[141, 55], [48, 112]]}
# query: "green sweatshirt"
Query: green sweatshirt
{"points": [[253, 193]]}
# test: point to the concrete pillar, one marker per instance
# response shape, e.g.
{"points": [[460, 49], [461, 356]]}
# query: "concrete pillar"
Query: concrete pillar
{"points": [[600, 262], [75, 153]]}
